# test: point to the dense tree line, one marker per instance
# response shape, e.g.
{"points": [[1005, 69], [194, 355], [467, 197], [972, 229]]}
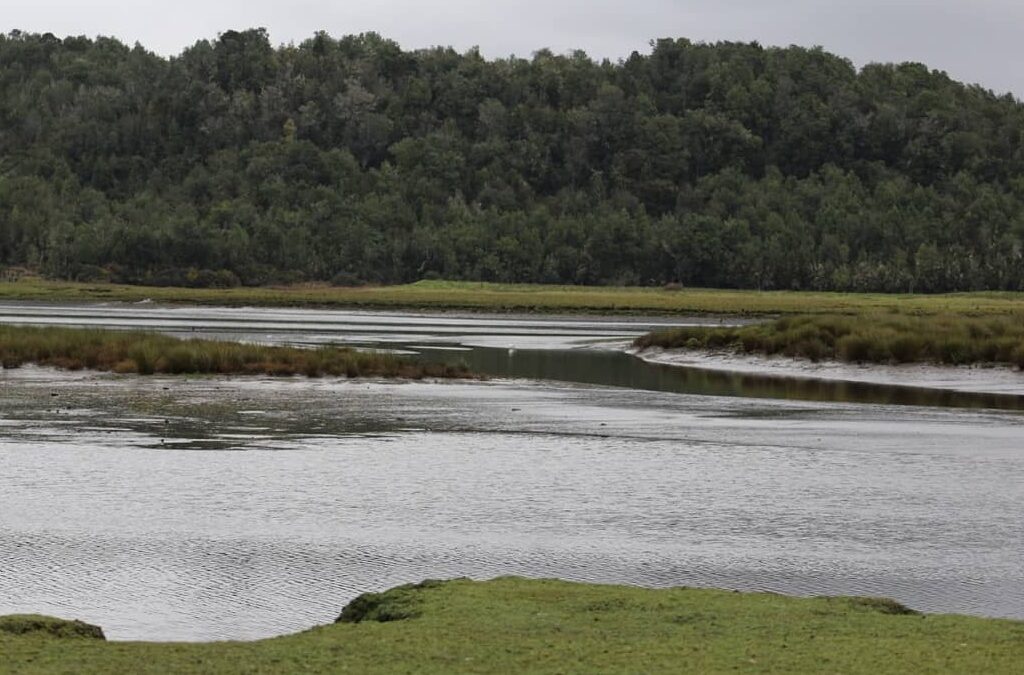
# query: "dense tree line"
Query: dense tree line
{"points": [[729, 165]]}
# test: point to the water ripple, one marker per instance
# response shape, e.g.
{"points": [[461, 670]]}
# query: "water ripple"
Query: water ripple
{"points": [[330, 489]]}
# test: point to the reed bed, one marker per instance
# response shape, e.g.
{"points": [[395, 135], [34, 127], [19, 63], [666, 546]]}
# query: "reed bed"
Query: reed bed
{"points": [[152, 353], [868, 338]]}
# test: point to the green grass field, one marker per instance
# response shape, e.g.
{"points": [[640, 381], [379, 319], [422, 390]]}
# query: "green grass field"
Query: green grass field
{"points": [[517, 626], [528, 298], [149, 353]]}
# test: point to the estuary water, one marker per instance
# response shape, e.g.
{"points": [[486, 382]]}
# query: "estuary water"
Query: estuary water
{"points": [[233, 508]]}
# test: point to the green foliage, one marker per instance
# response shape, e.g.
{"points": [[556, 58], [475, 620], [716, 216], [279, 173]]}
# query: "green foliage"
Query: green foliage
{"points": [[951, 339], [532, 626], [727, 165], [149, 353]]}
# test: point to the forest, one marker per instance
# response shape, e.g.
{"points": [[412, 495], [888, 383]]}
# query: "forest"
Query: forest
{"points": [[353, 161]]}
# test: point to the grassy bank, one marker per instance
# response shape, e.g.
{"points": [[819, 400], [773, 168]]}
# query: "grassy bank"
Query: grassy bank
{"points": [[149, 353], [527, 298], [867, 338], [514, 625]]}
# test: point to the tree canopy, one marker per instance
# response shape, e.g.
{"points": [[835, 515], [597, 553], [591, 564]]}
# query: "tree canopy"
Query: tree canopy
{"points": [[728, 164]]}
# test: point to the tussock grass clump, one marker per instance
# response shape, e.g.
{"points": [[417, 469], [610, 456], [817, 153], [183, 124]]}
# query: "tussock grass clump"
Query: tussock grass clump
{"points": [[883, 605], [396, 604], [151, 353], [867, 338], [36, 624]]}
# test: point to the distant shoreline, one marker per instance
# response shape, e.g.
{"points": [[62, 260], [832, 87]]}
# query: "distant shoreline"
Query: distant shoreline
{"points": [[525, 298]]}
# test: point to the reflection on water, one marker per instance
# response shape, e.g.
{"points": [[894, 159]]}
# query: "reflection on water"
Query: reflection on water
{"points": [[618, 369]]}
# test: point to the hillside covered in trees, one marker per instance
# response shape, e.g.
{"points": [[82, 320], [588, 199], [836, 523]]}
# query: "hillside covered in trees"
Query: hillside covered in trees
{"points": [[728, 165]]}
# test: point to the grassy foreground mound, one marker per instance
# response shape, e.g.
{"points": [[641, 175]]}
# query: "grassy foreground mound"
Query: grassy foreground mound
{"points": [[868, 338], [476, 296], [514, 625], [149, 353], [35, 624]]}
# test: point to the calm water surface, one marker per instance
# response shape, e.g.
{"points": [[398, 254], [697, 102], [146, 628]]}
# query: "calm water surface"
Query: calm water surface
{"points": [[196, 509], [579, 349]]}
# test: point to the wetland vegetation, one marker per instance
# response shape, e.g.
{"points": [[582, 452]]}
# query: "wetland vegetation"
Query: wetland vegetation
{"points": [[518, 625], [864, 338], [540, 298], [150, 353]]}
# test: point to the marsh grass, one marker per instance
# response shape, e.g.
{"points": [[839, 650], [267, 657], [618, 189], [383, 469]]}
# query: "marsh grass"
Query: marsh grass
{"points": [[151, 353], [949, 339], [476, 296]]}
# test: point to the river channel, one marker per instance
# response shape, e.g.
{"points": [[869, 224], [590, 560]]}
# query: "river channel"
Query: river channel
{"points": [[174, 508]]}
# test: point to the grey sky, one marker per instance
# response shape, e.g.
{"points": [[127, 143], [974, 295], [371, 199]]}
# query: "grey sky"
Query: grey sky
{"points": [[974, 40]]}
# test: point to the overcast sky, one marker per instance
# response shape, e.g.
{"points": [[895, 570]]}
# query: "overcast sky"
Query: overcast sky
{"points": [[973, 40]]}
